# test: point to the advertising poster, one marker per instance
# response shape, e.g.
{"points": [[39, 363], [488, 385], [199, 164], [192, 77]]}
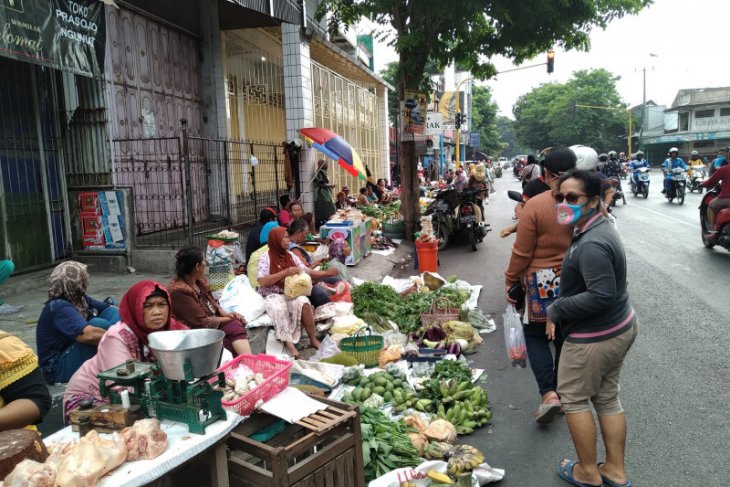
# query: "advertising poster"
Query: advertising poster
{"points": [[413, 111], [62, 34], [102, 221]]}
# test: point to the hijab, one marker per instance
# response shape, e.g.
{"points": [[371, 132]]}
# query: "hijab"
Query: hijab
{"points": [[264, 236], [131, 309], [69, 281], [279, 257]]}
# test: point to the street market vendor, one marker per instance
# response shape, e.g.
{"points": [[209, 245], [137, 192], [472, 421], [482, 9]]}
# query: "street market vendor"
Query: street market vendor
{"points": [[144, 309], [24, 397], [194, 304], [71, 323], [288, 315]]}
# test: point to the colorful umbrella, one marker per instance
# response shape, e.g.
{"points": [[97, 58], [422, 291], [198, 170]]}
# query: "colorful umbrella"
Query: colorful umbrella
{"points": [[335, 147]]}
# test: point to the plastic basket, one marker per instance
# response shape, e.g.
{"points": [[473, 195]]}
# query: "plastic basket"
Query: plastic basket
{"points": [[219, 275], [276, 375], [364, 348]]}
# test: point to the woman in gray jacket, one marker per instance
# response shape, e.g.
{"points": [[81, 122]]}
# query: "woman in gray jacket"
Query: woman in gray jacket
{"points": [[599, 326]]}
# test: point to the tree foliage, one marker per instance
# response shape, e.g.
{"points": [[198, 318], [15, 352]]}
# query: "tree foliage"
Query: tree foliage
{"points": [[545, 116], [508, 136], [469, 32], [483, 116], [389, 73]]}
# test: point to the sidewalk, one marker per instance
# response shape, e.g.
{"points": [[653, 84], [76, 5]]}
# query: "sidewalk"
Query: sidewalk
{"points": [[30, 291]]}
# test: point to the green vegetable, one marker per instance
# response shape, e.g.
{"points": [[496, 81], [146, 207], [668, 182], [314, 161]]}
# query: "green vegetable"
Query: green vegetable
{"points": [[341, 359], [385, 444]]}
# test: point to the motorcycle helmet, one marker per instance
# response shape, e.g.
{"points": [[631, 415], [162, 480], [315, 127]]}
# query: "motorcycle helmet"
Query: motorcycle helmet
{"points": [[612, 154], [587, 158], [674, 149], [695, 153], [639, 154], [603, 157]]}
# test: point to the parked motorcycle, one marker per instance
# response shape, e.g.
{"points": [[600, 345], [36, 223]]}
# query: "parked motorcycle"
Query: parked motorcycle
{"points": [[722, 223], [453, 212], [642, 188], [677, 186], [696, 178]]}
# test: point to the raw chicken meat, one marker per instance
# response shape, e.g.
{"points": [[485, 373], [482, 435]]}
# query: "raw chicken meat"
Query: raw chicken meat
{"points": [[30, 473], [93, 457], [144, 440]]}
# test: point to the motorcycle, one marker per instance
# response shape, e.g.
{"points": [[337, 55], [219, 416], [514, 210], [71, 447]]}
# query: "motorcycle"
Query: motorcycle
{"points": [[624, 170], [677, 185], [618, 193], [696, 178], [453, 212], [643, 185], [722, 223]]}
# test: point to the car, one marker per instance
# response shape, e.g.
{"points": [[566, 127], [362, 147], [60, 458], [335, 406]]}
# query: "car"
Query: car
{"points": [[502, 160]]}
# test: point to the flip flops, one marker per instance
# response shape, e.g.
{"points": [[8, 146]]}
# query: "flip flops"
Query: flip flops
{"points": [[610, 483], [566, 473], [547, 412]]}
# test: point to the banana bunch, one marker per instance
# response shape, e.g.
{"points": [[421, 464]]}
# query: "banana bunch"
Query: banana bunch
{"points": [[470, 412], [463, 459], [406, 398], [436, 450]]}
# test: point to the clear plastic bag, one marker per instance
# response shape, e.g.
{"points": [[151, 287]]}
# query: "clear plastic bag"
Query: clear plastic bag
{"points": [[514, 337]]}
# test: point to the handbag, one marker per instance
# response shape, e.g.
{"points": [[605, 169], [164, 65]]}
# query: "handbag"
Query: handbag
{"points": [[543, 288]]}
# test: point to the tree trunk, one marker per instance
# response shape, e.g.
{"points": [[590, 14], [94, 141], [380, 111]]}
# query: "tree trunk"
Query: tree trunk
{"points": [[410, 187]]}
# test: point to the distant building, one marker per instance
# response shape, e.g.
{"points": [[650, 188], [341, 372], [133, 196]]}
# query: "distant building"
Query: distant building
{"points": [[699, 119]]}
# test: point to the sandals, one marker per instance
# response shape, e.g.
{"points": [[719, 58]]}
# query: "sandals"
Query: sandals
{"points": [[610, 483], [566, 473], [546, 412]]}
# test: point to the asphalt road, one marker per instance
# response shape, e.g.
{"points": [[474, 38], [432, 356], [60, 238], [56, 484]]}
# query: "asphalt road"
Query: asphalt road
{"points": [[675, 380]]}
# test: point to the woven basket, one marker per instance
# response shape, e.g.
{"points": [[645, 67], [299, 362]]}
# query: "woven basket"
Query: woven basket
{"points": [[394, 229], [219, 275], [438, 315], [364, 348]]}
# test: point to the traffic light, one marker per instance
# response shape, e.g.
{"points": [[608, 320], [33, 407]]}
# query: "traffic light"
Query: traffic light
{"points": [[458, 120], [550, 61]]}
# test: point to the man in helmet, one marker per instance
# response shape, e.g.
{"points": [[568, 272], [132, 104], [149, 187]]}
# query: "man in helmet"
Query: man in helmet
{"points": [[612, 170], [602, 160], [673, 162], [695, 162], [719, 161], [637, 164]]}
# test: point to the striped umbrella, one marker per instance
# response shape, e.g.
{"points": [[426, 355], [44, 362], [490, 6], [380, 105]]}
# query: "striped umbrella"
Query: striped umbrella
{"points": [[335, 147]]}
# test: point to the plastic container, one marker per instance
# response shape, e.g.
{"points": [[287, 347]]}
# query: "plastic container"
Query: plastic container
{"points": [[276, 375], [428, 256]]}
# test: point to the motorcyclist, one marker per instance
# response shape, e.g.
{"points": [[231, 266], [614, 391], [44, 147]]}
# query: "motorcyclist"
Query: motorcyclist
{"points": [[719, 161], [602, 159], [612, 169], [723, 198], [695, 162], [637, 164], [672, 162]]}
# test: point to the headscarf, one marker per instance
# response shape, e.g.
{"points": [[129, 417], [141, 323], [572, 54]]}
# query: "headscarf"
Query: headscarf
{"points": [[264, 236], [336, 249], [279, 257], [16, 360], [131, 309], [69, 281]]}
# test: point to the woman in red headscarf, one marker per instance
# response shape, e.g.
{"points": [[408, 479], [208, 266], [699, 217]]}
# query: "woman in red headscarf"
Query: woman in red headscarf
{"points": [[288, 315], [144, 309]]}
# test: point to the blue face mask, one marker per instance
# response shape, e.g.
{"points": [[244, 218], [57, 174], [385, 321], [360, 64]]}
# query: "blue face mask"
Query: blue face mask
{"points": [[569, 214]]}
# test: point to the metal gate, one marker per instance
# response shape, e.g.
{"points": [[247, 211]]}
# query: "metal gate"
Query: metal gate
{"points": [[32, 227], [225, 189]]}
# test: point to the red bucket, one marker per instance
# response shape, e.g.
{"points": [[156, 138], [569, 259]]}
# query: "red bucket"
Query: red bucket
{"points": [[428, 256]]}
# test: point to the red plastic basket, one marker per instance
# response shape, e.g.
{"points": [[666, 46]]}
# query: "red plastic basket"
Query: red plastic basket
{"points": [[276, 375]]}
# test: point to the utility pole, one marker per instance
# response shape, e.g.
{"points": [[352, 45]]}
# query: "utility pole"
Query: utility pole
{"points": [[644, 121]]}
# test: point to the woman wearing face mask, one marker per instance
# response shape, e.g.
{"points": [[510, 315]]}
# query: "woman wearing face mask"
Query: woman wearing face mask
{"points": [[595, 315], [537, 254], [144, 309]]}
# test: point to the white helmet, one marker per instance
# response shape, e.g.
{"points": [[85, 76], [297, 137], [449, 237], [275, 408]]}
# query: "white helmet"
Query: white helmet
{"points": [[695, 153], [674, 149], [587, 158]]}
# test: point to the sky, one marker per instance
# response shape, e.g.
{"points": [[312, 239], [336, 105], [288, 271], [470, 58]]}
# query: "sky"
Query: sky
{"points": [[689, 38]]}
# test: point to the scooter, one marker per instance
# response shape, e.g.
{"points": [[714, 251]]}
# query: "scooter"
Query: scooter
{"points": [[677, 185], [696, 178], [455, 212], [642, 187], [722, 223], [624, 170], [618, 193]]}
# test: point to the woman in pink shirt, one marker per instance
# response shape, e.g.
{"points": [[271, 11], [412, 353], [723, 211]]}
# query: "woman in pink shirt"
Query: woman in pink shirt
{"points": [[144, 309]]}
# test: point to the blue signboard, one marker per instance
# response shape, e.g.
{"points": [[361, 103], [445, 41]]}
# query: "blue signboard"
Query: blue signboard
{"points": [[474, 140]]}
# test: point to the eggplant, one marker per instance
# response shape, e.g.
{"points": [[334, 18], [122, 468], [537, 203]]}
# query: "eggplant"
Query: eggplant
{"points": [[435, 334], [454, 348]]}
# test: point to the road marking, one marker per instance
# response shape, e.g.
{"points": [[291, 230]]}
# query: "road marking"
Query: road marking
{"points": [[664, 215]]}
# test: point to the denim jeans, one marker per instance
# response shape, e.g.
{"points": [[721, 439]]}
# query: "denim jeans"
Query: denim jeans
{"points": [[544, 368], [74, 356]]}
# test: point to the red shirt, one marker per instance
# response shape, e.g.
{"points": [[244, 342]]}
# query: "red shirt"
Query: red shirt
{"points": [[720, 174]]}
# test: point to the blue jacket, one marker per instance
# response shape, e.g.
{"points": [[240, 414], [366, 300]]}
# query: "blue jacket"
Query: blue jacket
{"points": [[719, 162], [670, 164], [635, 165]]}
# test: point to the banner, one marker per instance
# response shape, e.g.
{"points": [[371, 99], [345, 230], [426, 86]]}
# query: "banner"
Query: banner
{"points": [[434, 124], [102, 221], [447, 105], [474, 139], [413, 116], [62, 34]]}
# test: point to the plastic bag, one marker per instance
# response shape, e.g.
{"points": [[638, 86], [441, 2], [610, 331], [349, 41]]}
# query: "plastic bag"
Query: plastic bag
{"points": [[298, 285], [327, 348], [342, 293], [418, 477], [514, 337], [239, 296]]}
